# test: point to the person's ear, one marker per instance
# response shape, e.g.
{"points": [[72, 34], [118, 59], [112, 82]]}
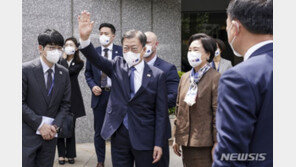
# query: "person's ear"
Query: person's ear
{"points": [[143, 52], [144, 49], [156, 44], [236, 25], [207, 56], [41, 49]]}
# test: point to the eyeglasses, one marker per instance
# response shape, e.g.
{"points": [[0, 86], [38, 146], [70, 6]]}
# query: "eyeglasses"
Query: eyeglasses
{"points": [[51, 47]]}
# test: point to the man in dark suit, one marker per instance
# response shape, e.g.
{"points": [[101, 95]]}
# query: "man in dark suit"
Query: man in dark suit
{"points": [[137, 113], [245, 100], [45, 100], [172, 82], [100, 85]]}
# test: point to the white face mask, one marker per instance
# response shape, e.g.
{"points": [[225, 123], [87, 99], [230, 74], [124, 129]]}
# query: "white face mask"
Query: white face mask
{"points": [[194, 58], [70, 50], [132, 58], [217, 53], [53, 56], [148, 51], [104, 40], [231, 44]]}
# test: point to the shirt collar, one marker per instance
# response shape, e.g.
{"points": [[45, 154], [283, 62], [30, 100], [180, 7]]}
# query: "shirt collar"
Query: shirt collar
{"points": [[152, 61], [256, 47], [69, 60], [140, 67], [110, 47], [45, 66]]}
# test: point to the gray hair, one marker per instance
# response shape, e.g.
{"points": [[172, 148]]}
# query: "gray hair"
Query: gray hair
{"points": [[135, 33]]}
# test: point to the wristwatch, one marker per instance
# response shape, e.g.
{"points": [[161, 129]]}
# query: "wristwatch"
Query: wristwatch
{"points": [[57, 128]]}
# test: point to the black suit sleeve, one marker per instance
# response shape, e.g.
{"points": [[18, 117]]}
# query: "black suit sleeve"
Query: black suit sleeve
{"points": [[65, 104], [172, 82], [75, 69], [97, 60], [29, 116], [89, 75], [161, 112]]}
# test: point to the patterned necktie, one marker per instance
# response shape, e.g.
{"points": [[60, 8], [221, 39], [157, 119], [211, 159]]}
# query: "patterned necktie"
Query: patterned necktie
{"points": [[104, 76], [49, 81], [132, 82], [132, 92]]}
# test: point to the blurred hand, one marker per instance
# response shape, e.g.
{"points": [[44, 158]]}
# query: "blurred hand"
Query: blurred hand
{"points": [[64, 56], [47, 131], [85, 25], [213, 150], [97, 90], [177, 149], [157, 153]]}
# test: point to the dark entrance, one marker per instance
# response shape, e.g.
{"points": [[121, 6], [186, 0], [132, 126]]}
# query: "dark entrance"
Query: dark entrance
{"points": [[205, 16]]}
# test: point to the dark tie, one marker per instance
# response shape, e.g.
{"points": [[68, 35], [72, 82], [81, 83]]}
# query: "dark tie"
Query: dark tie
{"points": [[104, 76], [132, 82], [132, 92], [49, 81]]}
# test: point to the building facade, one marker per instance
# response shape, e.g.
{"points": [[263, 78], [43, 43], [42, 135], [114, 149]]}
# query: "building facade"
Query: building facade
{"points": [[160, 16]]}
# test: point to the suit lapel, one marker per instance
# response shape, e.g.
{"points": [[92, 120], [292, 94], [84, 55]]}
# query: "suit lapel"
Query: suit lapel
{"points": [[147, 74], [64, 63], [113, 51], [157, 62], [71, 64], [125, 79], [39, 75], [57, 81], [100, 51]]}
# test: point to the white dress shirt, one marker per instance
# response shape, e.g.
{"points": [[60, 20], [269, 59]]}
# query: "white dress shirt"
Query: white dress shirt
{"points": [[110, 47], [138, 72], [255, 47], [45, 119], [152, 61], [69, 62], [138, 75], [45, 68], [84, 44]]}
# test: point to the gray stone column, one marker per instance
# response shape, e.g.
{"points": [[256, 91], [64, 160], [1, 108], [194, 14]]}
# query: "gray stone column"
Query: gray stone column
{"points": [[167, 26], [37, 16]]}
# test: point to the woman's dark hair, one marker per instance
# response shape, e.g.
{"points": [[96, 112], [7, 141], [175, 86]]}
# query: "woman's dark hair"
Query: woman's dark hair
{"points": [[221, 45], [50, 37], [76, 54], [208, 43], [255, 15]]}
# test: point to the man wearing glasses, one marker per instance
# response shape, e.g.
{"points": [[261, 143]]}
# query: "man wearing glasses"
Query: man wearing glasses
{"points": [[46, 93]]}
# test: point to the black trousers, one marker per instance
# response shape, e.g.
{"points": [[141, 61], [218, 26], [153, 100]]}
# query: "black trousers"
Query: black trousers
{"points": [[99, 115], [67, 146], [123, 155], [38, 154]]}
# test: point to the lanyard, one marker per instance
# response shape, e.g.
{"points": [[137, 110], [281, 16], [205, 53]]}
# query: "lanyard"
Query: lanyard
{"points": [[51, 87]]}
